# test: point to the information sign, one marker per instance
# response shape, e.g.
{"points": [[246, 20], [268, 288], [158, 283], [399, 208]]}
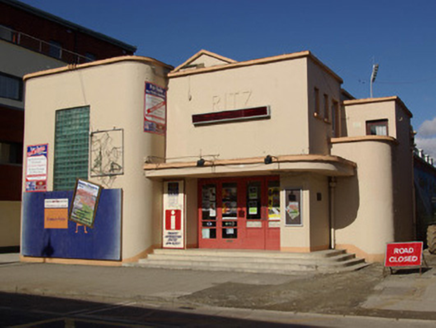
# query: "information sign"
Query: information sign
{"points": [[155, 109], [36, 168]]}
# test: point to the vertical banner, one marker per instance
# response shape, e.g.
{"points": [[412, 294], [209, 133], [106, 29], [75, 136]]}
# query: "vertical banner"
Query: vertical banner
{"points": [[174, 219], [155, 108], [36, 167]]}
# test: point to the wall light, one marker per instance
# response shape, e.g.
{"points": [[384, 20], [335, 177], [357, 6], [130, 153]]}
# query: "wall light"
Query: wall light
{"points": [[200, 162]]}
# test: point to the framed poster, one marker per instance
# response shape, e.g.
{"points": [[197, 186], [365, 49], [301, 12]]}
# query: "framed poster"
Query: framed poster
{"points": [[293, 207], [155, 109], [36, 168], [85, 202]]}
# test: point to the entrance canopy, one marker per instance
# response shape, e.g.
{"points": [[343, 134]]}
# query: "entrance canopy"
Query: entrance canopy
{"points": [[204, 168]]}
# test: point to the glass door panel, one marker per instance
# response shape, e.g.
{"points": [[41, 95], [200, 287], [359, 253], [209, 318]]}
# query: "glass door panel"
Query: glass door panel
{"points": [[208, 211], [229, 210]]}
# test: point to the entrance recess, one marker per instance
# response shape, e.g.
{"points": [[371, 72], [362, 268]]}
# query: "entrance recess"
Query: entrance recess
{"points": [[239, 213]]}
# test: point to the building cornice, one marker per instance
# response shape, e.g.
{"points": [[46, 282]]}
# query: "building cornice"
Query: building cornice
{"points": [[73, 67], [260, 61]]}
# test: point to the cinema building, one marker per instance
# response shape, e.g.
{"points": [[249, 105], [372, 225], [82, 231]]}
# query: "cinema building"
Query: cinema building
{"points": [[268, 154]]}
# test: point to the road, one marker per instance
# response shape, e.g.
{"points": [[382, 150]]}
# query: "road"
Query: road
{"points": [[20, 310]]}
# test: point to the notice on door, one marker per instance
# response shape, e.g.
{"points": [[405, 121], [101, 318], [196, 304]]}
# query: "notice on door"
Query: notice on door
{"points": [[173, 221]]}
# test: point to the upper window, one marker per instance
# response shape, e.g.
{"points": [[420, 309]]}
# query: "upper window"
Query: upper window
{"points": [[326, 108], [316, 95], [6, 33], [90, 57], [71, 149], [11, 152], [55, 49], [377, 127], [11, 87], [336, 119]]}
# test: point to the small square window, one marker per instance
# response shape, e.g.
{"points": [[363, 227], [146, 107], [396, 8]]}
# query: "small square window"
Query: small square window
{"points": [[377, 128]]}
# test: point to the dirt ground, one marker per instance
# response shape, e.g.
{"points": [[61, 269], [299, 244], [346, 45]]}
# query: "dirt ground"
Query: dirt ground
{"points": [[341, 293]]}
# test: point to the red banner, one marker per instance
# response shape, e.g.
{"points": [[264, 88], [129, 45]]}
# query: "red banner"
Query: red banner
{"points": [[403, 254]]}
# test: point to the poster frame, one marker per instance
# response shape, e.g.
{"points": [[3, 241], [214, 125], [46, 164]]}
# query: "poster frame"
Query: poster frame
{"points": [[77, 203], [36, 177], [299, 192]]}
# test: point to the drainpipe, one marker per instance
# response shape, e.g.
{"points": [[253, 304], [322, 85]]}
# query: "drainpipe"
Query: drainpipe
{"points": [[332, 186]]}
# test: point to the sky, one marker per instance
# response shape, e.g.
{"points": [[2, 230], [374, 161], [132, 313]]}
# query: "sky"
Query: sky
{"points": [[349, 36]]}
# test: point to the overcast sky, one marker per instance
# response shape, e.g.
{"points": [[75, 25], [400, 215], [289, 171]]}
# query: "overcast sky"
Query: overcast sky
{"points": [[349, 36]]}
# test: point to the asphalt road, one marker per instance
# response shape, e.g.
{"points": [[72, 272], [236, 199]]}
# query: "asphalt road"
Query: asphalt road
{"points": [[19, 310]]}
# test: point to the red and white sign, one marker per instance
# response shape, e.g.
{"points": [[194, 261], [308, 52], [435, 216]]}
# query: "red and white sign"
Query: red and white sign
{"points": [[404, 254], [173, 220]]}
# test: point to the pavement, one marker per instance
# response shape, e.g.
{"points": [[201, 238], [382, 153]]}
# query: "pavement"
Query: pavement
{"points": [[402, 292]]}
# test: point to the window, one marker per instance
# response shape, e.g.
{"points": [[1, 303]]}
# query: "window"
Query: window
{"points": [[6, 33], [378, 127], [90, 57], [71, 149], [11, 87], [316, 95], [326, 108], [55, 49], [11, 153], [336, 119]]}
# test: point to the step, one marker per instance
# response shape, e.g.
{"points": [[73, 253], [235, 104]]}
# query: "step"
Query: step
{"points": [[261, 258], [327, 261], [249, 253]]}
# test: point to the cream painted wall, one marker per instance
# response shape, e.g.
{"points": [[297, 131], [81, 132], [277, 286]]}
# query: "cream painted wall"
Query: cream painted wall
{"points": [[10, 223], [295, 238], [364, 204], [243, 87], [320, 127], [403, 178], [319, 210], [358, 113], [191, 203], [208, 61], [18, 61], [115, 94]]}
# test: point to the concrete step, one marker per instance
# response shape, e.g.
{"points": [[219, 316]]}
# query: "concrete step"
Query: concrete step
{"points": [[262, 258], [252, 261]]}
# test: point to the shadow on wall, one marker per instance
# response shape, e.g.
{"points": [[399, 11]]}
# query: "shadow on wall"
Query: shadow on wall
{"points": [[347, 201]]}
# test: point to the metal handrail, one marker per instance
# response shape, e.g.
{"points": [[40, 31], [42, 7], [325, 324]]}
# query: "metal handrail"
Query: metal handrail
{"points": [[41, 46]]}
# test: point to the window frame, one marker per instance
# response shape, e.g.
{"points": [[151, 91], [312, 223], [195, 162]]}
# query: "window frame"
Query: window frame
{"points": [[19, 82], [380, 122], [72, 159]]}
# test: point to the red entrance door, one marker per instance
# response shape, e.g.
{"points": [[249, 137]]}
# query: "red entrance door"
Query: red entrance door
{"points": [[239, 213]]}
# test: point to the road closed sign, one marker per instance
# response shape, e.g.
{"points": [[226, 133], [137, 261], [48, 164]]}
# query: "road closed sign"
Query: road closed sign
{"points": [[404, 254]]}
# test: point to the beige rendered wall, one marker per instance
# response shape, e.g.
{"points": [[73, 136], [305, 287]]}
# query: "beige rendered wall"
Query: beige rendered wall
{"points": [[115, 94], [280, 85], [358, 112], [403, 178], [319, 213], [191, 201], [364, 204], [18, 61], [10, 223], [320, 126]]}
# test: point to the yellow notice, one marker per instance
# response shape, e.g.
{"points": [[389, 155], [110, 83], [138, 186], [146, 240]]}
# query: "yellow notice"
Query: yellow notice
{"points": [[56, 218]]}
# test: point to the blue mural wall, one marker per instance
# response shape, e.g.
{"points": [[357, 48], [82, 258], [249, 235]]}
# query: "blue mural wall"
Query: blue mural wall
{"points": [[103, 242]]}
